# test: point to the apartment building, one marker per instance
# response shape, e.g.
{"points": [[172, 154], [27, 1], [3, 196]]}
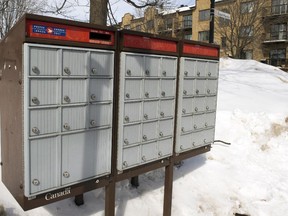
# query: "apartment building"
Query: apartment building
{"points": [[262, 25]]}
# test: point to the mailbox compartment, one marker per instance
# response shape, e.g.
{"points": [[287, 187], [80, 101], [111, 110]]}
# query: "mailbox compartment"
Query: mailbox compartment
{"points": [[149, 152], [151, 88], [201, 67], [150, 110], [168, 88], [131, 157], [199, 121], [211, 103], [189, 87], [189, 68], [44, 61], [185, 142], [169, 67], [152, 66], [133, 112], [100, 89], [74, 118], [211, 86], [165, 147], [198, 105], [166, 128], [101, 64], [149, 131], [133, 89], [200, 87], [166, 108], [210, 119], [75, 63], [212, 69], [44, 92], [187, 124], [100, 115], [134, 65], [131, 134], [187, 105], [74, 91]]}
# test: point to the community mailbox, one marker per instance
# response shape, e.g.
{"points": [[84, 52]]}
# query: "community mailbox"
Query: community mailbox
{"points": [[56, 91]]}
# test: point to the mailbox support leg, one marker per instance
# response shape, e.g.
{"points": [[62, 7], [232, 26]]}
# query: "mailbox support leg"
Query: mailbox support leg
{"points": [[79, 200], [135, 181], [168, 188], [110, 191]]}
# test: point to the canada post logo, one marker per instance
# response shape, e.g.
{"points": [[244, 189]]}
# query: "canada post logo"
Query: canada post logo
{"points": [[40, 29]]}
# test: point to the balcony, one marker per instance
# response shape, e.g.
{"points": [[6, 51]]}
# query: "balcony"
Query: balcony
{"points": [[186, 24], [276, 37], [275, 10], [281, 63]]}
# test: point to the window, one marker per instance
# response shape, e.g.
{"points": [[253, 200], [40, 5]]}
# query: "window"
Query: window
{"points": [[222, 21], [279, 31], [138, 28], [187, 21], [169, 23], [223, 42], [126, 26], [246, 54], [279, 6], [203, 36], [278, 57], [246, 31], [188, 36], [247, 7], [204, 15], [150, 24]]}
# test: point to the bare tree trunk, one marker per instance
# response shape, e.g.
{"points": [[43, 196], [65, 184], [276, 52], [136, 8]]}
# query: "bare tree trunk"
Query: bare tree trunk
{"points": [[98, 12]]}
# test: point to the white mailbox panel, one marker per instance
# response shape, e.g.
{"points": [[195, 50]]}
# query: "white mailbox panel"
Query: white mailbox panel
{"points": [[152, 66], [167, 108], [188, 87], [43, 61], [198, 138], [211, 86], [211, 103], [185, 142], [134, 65], [166, 128], [132, 134], [201, 67], [74, 91], [169, 67], [74, 118], [44, 92], [150, 110], [100, 115], [85, 155], [151, 88], [188, 106], [209, 135], [187, 123], [44, 164], [132, 112], [189, 68], [100, 90], [199, 104], [133, 89], [149, 131], [212, 69], [200, 87], [167, 88], [44, 121], [199, 121], [131, 157], [75, 63], [149, 151], [210, 119], [165, 147], [101, 64]]}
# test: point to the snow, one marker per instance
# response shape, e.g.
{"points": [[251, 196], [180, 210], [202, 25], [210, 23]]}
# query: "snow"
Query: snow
{"points": [[247, 177]]}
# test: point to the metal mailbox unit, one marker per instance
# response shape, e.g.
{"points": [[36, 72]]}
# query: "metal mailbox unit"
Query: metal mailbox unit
{"points": [[56, 82], [197, 96], [147, 99]]}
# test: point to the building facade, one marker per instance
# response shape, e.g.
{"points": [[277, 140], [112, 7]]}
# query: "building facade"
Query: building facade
{"points": [[260, 27]]}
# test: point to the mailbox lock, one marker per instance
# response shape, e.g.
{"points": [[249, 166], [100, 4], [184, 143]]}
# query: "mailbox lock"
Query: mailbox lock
{"points": [[67, 99], [36, 182], [161, 134], [127, 118], [209, 74], [197, 91], [144, 158], [126, 141], [204, 141], [198, 73], [181, 147], [35, 130], [35, 70], [128, 72], [163, 94], [147, 72], [146, 116], [186, 73], [195, 127], [127, 95], [147, 94], [93, 70], [125, 164], [183, 111], [185, 92], [93, 122], [66, 174], [193, 143], [196, 109], [67, 71], [35, 100], [145, 137], [162, 114], [160, 154], [206, 124], [208, 91], [207, 107], [93, 97], [183, 129], [66, 126], [164, 73]]}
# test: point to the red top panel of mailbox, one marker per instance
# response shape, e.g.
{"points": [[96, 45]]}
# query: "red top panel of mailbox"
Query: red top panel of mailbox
{"points": [[149, 43], [47, 30], [200, 50]]}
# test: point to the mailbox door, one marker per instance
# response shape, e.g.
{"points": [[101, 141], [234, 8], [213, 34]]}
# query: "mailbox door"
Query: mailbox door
{"points": [[100, 115], [199, 121], [134, 65], [210, 119], [45, 164], [201, 68], [199, 104], [131, 134], [44, 121], [186, 123], [167, 88], [100, 90], [150, 110], [131, 157], [169, 67], [74, 118], [133, 89], [188, 87], [149, 152], [189, 68], [151, 88], [75, 62], [152, 66], [101, 63], [211, 103], [200, 85], [209, 135], [86, 155], [44, 92], [132, 112], [198, 138], [165, 147], [167, 108], [185, 142], [43, 61], [149, 131], [211, 86], [166, 128], [74, 91], [212, 69], [187, 106]]}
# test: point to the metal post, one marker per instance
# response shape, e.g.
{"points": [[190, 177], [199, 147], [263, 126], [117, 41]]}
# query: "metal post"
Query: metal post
{"points": [[168, 189], [211, 31], [79, 200], [110, 191]]}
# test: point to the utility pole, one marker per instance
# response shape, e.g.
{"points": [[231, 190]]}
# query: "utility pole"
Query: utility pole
{"points": [[212, 17]]}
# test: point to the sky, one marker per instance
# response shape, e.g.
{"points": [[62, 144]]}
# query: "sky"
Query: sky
{"points": [[248, 177]]}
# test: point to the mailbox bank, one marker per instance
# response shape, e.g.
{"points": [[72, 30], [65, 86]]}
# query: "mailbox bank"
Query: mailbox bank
{"points": [[84, 106]]}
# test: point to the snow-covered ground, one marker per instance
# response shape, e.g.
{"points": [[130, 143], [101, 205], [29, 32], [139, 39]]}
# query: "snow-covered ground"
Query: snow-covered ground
{"points": [[248, 177]]}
